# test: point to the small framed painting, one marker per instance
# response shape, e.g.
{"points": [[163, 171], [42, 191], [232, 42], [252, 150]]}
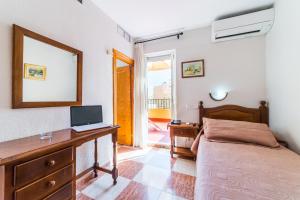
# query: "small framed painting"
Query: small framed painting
{"points": [[34, 72], [193, 68]]}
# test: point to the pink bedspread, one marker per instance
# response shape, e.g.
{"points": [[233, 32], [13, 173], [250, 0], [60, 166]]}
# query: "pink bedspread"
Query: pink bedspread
{"points": [[227, 171]]}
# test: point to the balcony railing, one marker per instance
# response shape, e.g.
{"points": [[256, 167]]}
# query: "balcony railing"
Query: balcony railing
{"points": [[159, 103]]}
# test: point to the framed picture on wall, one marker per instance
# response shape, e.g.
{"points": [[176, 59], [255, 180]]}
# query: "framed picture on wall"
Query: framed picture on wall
{"points": [[193, 68]]}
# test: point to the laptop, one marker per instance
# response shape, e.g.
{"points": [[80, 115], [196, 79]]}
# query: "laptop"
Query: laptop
{"points": [[84, 118]]}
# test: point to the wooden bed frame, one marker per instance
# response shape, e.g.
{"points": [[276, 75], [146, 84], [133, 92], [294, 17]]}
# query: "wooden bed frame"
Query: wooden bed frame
{"points": [[235, 112]]}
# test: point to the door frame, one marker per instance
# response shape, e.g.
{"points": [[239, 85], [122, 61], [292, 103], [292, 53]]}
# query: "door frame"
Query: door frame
{"points": [[117, 55], [172, 53]]}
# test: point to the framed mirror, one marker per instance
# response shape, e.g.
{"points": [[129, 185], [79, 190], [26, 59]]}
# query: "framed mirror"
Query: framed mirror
{"points": [[46, 73]]}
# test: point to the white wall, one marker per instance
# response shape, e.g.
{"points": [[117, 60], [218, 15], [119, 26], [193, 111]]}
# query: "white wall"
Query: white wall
{"points": [[83, 27], [282, 70], [237, 65]]}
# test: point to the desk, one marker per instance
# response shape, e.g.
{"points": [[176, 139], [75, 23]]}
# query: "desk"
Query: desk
{"points": [[31, 168]]}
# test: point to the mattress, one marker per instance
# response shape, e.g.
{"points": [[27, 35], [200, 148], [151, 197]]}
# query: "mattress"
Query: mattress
{"points": [[227, 171]]}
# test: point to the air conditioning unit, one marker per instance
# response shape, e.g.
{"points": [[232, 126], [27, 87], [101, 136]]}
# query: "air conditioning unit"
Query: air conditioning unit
{"points": [[243, 26]]}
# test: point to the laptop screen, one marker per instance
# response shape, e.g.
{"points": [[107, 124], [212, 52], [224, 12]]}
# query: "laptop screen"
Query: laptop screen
{"points": [[84, 115]]}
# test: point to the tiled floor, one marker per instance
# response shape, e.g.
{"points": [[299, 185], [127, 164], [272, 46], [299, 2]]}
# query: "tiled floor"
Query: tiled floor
{"points": [[158, 133], [143, 174]]}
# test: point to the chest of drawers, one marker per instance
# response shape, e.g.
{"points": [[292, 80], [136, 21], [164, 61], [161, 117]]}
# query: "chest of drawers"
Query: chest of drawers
{"points": [[35, 169], [48, 176]]}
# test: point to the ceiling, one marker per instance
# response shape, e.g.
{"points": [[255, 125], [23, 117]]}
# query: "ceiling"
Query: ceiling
{"points": [[142, 18]]}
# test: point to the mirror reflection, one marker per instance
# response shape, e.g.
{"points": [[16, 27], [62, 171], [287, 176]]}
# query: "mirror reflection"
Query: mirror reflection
{"points": [[49, 73]]}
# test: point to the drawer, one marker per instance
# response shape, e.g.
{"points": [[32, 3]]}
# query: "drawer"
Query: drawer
{"points": [[64, 193], [185, 132], [45, 186], [32, 170]]}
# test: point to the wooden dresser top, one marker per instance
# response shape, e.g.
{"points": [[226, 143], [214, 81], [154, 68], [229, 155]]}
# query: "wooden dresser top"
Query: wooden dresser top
{"points": [[14, 150]]}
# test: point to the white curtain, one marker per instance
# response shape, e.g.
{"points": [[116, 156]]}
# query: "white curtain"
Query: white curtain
{"points": [[140, 97]]}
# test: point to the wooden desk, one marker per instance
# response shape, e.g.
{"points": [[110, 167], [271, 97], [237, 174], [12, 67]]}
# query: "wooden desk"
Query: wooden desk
{"points": [[31, 168], [182, 130]]}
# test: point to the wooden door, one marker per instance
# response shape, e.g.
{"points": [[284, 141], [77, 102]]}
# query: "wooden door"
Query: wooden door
{"points": [[124, 105], [123, 97]]}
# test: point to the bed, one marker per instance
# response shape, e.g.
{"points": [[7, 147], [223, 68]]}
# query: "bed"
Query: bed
{"points": [[240, 171]]}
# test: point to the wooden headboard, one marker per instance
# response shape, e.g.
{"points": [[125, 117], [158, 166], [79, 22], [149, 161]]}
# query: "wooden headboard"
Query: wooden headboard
{"points": [[235, 112]]}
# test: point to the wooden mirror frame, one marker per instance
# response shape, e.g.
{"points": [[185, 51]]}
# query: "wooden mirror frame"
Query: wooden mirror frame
{"points": [[17, 70]]}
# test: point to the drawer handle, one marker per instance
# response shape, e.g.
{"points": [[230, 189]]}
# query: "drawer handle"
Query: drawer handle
{"points": [[51, 183], [51, 163]]}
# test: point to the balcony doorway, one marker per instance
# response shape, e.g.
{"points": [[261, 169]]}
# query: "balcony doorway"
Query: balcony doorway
{"points": [[160, 96]]}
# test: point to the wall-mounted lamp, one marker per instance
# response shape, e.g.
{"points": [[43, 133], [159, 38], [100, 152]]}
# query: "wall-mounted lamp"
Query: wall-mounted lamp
{"points": [[219, 95]]}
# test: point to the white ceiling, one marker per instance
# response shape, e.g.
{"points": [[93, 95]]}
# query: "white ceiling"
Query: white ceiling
{"points": [[149, 17]]}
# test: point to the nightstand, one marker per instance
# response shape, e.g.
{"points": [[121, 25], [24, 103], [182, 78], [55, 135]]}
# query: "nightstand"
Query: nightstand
{"points": [[182, 130]]}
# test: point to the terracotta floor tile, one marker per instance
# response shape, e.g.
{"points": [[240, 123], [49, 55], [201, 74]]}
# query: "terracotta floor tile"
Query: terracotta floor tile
{"points": [[138, 191], [103, 188], [181, 185], [87, 180], [125, 149], [129, 168], [146, 174], [82, 197]]}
